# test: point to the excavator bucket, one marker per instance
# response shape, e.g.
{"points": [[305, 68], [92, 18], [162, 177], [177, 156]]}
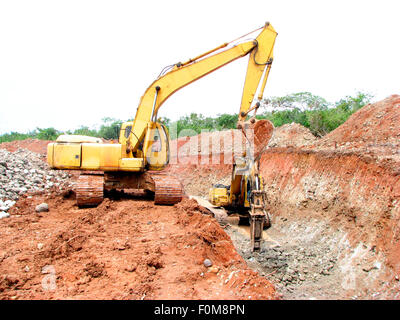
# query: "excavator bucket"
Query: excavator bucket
{"points": [[258, 134]]}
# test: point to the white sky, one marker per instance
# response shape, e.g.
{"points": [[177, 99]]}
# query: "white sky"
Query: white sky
{"points": [[64, 64]]}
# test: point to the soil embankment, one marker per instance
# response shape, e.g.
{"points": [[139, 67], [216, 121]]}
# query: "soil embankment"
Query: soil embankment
{"points": [[343, 189]]}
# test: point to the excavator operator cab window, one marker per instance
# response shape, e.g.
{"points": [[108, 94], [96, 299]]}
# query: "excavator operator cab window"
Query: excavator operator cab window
{"points": [[128, 130], [157, 156], [156, 147]]}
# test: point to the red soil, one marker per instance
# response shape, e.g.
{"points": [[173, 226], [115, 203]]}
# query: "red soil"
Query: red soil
{"points": [[126, 249], [34, 145]]}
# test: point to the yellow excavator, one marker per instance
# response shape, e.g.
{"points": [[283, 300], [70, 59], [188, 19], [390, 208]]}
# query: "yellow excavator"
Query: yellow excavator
{"points": [[142, 152]]}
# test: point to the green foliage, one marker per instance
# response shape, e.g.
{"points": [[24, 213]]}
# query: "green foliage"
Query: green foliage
{"points": [[42, 134], [7, 137], [279, 118], [312, 111], [165, 121], [226, 121], [191, 125], [309, 110], [47, 134], [110, 129], [195, 123], [352, 104], [85, 131], [300, 100]]}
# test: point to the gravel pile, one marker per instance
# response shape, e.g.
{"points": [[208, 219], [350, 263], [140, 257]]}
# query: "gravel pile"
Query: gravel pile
{"points": [[23, 172]]}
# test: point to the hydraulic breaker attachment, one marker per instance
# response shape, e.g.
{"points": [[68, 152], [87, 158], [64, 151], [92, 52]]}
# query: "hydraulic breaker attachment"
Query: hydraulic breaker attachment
{"points": [[258, 218]]}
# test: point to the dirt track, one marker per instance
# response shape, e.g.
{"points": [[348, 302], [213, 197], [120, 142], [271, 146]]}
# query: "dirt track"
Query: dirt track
{"points": [[335, 204]]}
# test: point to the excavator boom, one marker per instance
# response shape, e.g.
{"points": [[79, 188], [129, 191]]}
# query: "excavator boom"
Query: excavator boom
{"points": [[182, 74]]}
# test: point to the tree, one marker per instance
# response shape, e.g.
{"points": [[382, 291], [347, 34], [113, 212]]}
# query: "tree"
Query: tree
{"points": [[47, 134], [352, 104], [110, 129], [85, 131], [299, 100], [226, 121], [312, 111]]}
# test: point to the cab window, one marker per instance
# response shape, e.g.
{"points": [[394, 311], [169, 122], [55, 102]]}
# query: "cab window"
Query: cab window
{"points": [[128, 130], [156, 146]]}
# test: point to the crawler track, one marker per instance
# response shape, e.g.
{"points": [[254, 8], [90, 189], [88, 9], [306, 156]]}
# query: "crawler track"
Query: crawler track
{"points": [[89, 190], [167, 189]]}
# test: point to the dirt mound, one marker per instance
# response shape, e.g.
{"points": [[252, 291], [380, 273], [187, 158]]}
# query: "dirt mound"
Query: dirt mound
{"points": [[229, 142], [208, 143], [233, 142], [291, 135], [206, 159], [374, 125], [34, 145], [126, 249], [176, 144]]}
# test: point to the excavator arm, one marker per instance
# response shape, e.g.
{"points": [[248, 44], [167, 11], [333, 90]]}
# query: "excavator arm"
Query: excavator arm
{"points": [[182, 74]]}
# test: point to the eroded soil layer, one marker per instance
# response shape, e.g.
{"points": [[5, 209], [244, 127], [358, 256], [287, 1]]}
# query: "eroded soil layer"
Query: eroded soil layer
{"points": [[350, 193]]}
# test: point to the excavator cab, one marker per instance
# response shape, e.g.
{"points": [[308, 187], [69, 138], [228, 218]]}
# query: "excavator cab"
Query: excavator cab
{"points": [[154, 146], [157, 155]]}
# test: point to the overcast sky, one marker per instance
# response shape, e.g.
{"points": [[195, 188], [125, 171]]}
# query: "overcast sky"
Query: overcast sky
{"points": [[64, 64]]}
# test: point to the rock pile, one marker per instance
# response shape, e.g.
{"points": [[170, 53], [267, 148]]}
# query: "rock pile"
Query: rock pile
{"points": [[23, 172]]}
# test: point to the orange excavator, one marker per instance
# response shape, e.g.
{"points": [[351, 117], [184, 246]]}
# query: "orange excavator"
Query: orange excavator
{"points": [[142, 152]]}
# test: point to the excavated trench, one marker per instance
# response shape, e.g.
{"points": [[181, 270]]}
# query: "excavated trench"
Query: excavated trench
{"points": [[316, 254], [308, 259], [335, 204]]}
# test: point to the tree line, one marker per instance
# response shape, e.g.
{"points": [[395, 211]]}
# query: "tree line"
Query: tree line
{"points": [[311, 111]]}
